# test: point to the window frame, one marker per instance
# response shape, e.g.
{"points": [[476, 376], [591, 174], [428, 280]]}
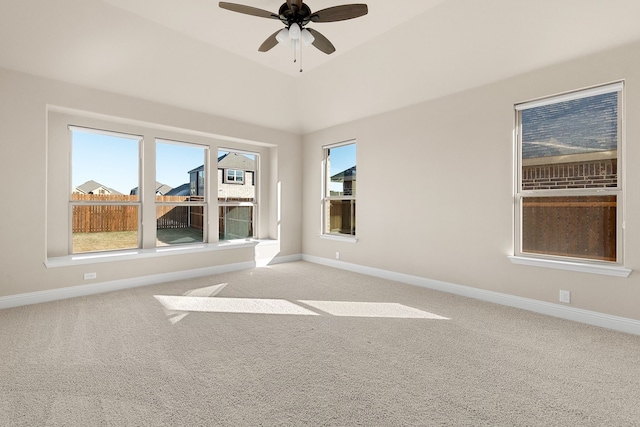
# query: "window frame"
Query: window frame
{"points": [[236, 203], [200, 182], [73, 203], [561, 261], [57, 252], [327, 198]]}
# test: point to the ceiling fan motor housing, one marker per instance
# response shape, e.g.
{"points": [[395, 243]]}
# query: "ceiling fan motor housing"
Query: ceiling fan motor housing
{"points": [[300, 16]]}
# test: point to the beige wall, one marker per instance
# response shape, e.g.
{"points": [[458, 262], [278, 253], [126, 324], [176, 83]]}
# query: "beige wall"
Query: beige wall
{"points": [[435, 192], [421, 222], [35, 172]]}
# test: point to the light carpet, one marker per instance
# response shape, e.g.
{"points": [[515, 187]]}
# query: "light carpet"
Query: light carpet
{"points": [[300, 344]]}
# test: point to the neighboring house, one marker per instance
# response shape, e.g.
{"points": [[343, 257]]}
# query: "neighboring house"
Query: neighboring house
{"points": [[161, 189], [196, 181], [571, 151], [233, 165], [181, 190], [236, 193], [348, 179], [236, 178], [93, 187]]}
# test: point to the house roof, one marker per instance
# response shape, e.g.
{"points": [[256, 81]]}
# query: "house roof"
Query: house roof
{"points": [[345, 175], [236, 161], [199, 168], [578, 126], [231, 161], [91, 186], [391, 58], [160, 188], [181, 190]]}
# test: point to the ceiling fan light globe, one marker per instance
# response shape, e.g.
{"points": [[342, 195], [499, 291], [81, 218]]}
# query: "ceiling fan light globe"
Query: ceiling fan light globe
{"points": [[294, 31], [307, 37], [283, 35]]}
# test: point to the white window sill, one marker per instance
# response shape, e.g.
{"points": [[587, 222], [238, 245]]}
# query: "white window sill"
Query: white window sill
{"points": [[608, 270], [339, 238], [100, 257]]}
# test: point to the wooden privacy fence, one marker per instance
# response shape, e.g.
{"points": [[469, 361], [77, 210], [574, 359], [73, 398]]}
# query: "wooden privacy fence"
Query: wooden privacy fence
{"points": [[342, 216], [168, 216], [101, 218], [235, 222], [108, 215], [582, 226]]}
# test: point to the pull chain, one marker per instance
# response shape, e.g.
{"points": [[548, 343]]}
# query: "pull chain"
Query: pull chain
{"points": [[297, 43]]}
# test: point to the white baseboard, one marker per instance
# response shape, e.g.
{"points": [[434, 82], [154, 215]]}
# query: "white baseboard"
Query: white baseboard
{"points": [[617, 323], [279, 260], [117, 285], [622, 324]]}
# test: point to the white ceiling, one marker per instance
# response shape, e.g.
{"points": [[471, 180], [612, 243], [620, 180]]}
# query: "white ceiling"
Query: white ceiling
{"points": [[192, 54], [242, 34]]}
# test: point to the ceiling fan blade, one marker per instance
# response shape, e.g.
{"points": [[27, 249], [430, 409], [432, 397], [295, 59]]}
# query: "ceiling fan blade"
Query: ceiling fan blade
{"points": [[321, 42], [269, 43], [340, 13], [247, 10]]}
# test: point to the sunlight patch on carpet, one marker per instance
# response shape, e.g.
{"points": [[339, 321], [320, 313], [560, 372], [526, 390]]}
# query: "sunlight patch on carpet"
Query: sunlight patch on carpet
{"points": [[177, 307], [371, 309], [208, 291], [232, 305]]}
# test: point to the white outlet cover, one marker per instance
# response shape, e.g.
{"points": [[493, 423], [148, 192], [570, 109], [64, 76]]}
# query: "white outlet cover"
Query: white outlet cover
{"points": [[565, 296]]}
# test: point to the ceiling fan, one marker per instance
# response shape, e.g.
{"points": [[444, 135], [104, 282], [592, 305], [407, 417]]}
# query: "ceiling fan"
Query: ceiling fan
{"points": [[295, 15]]}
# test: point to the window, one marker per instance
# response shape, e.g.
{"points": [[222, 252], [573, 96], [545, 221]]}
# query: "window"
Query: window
{"points": [[339, 198], [237, 196], [132, 190], [182, 208], [105, 211], [569, 190], [106, 206], [234, 175]]}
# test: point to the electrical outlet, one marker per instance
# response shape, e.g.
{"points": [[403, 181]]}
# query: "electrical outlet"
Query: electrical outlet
{"points": [[337, 255], [565, 296], [88, 276]]}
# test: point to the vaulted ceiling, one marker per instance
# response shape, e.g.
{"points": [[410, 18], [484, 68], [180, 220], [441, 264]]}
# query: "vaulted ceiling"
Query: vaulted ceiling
{"points": [[195, 55]]}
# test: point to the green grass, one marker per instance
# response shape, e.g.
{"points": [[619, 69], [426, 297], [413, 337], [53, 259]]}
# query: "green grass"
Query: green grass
{"points": [[115, 240]]}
